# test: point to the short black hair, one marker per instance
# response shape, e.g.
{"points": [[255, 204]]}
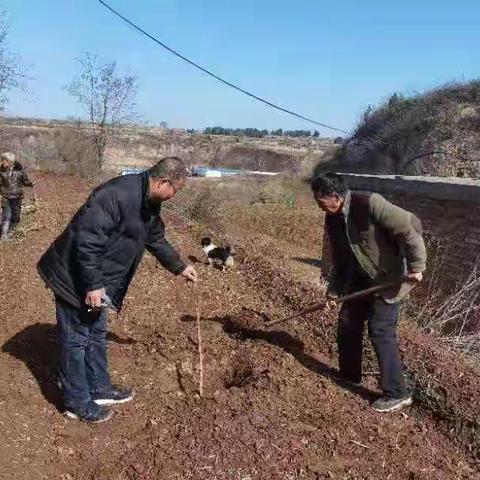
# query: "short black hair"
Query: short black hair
{"points": [[328, 184], [172, 169]]}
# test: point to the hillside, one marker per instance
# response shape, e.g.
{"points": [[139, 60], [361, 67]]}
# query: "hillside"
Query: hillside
{"points": [[273, 408], [436, 133]]}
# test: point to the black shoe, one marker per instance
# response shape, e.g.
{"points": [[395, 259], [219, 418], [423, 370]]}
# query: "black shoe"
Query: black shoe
{"points": [[387, 404], [114, 396], [91, 413], [352, 383], [348, 381]]}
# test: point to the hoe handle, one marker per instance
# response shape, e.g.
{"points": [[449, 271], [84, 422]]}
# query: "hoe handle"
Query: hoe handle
{"points": [[347, 298]]}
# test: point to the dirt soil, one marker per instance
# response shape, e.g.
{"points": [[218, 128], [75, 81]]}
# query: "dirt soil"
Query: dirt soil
{"points": [[272, 408]]}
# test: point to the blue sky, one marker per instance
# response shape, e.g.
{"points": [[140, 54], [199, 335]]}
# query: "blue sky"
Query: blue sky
{"points": [[327, 60]]}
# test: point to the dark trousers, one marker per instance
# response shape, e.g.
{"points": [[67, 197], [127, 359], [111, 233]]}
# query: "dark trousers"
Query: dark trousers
{"points": [[382, 321], [11, 210], [83, 353]]}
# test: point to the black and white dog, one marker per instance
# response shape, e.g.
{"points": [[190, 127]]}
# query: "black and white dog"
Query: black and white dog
{"points": [[220, 257]]}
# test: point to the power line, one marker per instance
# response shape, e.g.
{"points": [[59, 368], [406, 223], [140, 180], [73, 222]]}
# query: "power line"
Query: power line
{"points": [[216, 77]]}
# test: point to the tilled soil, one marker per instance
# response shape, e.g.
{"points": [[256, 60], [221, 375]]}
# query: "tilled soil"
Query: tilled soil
{"points": [[272, 407]]}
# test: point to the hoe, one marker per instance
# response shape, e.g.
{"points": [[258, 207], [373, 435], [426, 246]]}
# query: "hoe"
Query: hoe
{"points": [[347, 298]]}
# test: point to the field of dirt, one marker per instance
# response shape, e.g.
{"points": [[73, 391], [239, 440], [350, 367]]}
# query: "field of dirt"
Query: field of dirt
{"points": [[272, 408]]}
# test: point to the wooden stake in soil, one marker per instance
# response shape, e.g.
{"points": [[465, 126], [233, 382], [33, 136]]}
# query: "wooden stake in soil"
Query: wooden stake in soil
{"points": [[199, 334]]}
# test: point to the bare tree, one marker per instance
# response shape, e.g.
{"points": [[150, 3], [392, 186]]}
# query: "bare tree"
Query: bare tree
{"points": [[108, 99], [13, 73]]}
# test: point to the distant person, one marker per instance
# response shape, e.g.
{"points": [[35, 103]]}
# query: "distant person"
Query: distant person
{"points": [[372, 242], [13, 178], [89, 267]]}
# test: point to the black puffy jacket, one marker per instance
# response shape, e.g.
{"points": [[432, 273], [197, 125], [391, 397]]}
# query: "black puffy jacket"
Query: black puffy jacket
{"points": [[105, 240]]}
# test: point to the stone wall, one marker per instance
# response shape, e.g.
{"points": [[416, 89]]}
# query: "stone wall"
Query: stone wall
{"points": [[449, 209]]}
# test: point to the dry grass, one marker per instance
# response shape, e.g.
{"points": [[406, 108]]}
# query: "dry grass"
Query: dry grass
{"points": [[280, 208], [456, 316], [66, 149], [451, 312]]}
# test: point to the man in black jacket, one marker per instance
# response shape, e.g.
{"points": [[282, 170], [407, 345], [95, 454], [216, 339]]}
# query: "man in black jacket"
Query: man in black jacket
{"points": [[89, 267]]}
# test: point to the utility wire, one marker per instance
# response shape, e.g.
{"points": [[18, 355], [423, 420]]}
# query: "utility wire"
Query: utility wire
{"points": [[216, 77], [365, 141]]}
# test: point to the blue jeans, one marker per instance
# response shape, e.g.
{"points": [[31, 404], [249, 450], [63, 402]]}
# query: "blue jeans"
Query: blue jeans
{"points": [[83, 353]]}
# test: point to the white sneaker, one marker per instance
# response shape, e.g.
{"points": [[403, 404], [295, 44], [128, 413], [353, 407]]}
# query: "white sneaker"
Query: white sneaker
{"points": [[386, 404]]}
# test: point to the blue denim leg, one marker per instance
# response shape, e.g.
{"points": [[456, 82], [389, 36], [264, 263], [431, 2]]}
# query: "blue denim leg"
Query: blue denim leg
{"points": [[73, 338], [96, 363]]}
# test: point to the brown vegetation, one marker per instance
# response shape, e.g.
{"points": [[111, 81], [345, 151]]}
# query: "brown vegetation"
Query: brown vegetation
{"points": [[435, 133]]}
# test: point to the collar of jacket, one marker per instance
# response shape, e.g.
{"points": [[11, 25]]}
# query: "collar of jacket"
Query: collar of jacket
{"points": [[148, 205], [346, 204]]}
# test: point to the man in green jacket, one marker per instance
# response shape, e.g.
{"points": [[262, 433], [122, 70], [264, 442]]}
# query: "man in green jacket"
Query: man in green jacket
{"points": [[372, 241]]}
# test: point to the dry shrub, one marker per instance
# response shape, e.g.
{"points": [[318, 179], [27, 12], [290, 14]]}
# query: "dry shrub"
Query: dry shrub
{"points": [[40, 152], [67, 149], [457, 315], [453, 313], [435, 133], [200, 203], [76, 150]]}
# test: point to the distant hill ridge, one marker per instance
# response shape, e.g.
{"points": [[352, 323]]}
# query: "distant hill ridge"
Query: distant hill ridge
{"points": [[436, 133], [37, 142]]}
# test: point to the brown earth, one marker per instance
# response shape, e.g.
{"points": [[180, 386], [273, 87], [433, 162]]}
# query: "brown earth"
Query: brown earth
{"points": [[272, 408]]}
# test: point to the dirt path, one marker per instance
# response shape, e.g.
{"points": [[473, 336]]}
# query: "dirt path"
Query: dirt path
{"points": [[271, 409]]}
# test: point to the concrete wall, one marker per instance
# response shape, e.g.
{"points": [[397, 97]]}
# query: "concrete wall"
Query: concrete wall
{"points": [[449, 209]]}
